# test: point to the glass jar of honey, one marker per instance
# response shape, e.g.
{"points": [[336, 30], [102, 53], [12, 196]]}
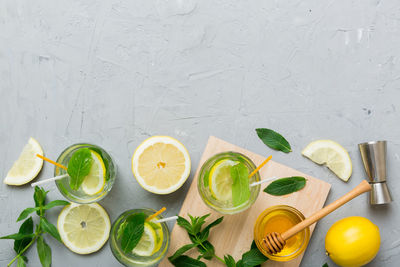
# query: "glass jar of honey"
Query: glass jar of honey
{"points": [[279, 219]]}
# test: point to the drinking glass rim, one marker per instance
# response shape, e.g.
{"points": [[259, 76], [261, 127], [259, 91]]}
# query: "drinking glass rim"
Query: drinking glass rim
{"points": [[209, 201], [57, 169]]}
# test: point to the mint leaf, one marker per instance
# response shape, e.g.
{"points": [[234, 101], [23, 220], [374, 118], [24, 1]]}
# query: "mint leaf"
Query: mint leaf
{"points": [[197, 222], [229, 261], [182, 222], [285, 186], [253, 257], [17, 236], [44, 252], [325, 265], [50, 228], [79, 167], [186, 261], [206, 231], [273, 140], [240, 185], [40, 198], [133, 231], [25, 213], [180, 251], [21, 261], [26, 228], [55, 203], [207, 250]]}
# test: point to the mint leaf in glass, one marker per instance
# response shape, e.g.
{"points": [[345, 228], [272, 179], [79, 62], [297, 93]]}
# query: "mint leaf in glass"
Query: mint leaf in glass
{"points": [[240, 185], [132, 231], [79, 167]]}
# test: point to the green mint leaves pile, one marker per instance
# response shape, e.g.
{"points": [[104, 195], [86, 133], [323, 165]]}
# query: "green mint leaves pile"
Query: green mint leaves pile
{"points": [[26, 236], [198, 235], [79, 167]]}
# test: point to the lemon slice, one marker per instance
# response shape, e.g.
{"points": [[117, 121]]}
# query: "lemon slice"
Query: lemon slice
{"points": [[83, 228], [333, 155], [159, 234], [147, 243], [27, 166], [161, 164], [220, 180], [96, 179]]}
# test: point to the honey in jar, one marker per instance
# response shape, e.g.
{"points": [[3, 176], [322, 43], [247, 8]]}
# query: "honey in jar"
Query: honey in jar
{"points": [[279, 219]]}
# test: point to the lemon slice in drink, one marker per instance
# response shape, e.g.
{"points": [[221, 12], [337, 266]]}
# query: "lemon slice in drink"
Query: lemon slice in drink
{"points": [[27, 166], [161, 164], [84, 228], [147, 243], [220, 181], [333, 155], [96, 179]]}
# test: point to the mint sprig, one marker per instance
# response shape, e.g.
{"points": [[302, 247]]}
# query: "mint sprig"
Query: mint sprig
{"points": [[26, 237], [286, 186], [79, 167], [240, 185], [199, 237]]}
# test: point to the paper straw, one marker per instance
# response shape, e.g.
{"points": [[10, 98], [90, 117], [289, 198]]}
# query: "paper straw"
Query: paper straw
{"points": [[263, 181], [156, 214], [259, 167], [49, 180], [167, 219]]}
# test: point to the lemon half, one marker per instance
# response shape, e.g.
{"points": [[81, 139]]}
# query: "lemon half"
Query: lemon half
{"points": [[27, 166], [84, 228], [96, 179], [161, 164], [333, 155]]}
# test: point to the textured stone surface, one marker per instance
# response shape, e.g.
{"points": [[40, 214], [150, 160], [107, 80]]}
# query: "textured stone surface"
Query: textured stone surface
{"points": [[115, 72]]}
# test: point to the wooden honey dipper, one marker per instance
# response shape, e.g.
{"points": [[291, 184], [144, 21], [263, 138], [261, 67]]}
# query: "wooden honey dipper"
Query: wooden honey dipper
{"points": [[275, 241]]}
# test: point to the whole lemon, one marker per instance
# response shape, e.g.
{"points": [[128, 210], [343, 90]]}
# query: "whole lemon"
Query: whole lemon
{"points": [[352, 241]]}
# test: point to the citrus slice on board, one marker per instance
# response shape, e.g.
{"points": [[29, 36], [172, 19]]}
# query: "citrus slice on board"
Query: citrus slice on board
{"points": [[84, 228], [333, 155], [147, 243], [161, 164], [96, 179], [220, 180], [27, 166]]}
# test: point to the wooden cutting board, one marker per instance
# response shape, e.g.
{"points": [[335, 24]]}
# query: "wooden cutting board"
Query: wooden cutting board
{"points": [[235, 234]]}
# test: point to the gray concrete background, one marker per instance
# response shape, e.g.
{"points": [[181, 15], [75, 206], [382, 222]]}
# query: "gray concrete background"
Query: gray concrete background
{"points": [[115, 72]]}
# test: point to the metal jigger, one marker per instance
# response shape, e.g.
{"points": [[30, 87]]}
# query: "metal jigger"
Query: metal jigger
{"points": [[373, 155]]}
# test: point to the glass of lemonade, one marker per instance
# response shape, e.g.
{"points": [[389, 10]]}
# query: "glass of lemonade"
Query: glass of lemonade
{"points": [[97, 184], [215, 182], [279, 219], [152, 246]]}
